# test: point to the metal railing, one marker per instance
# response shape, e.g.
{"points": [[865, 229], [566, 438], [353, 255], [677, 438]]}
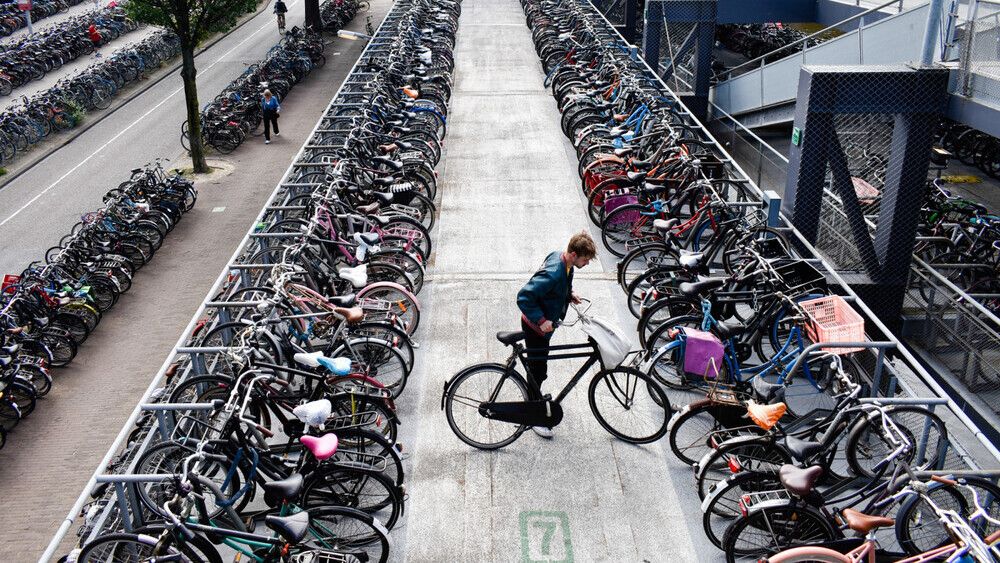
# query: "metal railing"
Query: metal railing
{"points": [[804, 42]]}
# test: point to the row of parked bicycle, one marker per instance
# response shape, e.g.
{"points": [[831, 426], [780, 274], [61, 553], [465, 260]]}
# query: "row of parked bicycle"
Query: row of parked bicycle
{"points": [[33, 55], [971, 146], [48, 311], [795, 458], [754, 40], [236, 112], [280, 442], [12, 18], [60, 107], [960, 238]]}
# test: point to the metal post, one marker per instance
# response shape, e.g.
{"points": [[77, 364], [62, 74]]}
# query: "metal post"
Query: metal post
{"points": [[27, 19], [877, 376], [924, 436], [772, 206], [931, 32], [651, 34], [123, 505]]}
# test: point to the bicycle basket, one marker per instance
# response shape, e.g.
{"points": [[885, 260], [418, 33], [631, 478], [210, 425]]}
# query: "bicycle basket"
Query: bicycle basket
{"points": [[703, 353], [615, 201], [611, 341], [832, 319], [800, 277]]}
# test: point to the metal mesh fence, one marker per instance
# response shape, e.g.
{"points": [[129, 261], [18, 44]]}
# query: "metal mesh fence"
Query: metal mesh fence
{"points": [[673, 27], [980, 54], [865, 139]]}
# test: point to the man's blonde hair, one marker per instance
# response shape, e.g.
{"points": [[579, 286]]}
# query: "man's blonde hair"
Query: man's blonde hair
{"points": [[582, 245]]}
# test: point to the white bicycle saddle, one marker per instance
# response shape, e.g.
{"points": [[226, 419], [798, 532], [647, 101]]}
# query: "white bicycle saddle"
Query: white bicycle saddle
{"points": [[690, 259], [358, 275], [336, 366], [313, 413], [365, 244]]}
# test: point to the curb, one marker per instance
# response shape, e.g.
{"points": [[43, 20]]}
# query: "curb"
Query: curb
{"points": [[171, 70]]}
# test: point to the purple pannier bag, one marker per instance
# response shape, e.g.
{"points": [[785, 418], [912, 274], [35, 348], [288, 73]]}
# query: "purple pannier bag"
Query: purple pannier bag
{"points": [[703, 353], [614, 202]]}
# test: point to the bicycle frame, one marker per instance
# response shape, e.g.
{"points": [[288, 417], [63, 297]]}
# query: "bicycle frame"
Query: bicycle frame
{"points": [[524, 354]]}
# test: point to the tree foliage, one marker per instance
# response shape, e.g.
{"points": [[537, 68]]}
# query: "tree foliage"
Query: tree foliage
{"points": [[191, 20]]}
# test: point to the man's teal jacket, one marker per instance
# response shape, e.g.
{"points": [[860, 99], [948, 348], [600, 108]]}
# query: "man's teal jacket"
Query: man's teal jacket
{"points": [[546, 295]]}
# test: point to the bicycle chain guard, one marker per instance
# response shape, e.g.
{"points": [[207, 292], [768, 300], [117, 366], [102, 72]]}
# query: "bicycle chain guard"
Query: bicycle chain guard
{"points": [[529, 413]]}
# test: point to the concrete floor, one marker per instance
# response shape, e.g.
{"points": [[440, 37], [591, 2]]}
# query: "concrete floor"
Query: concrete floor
{"points": [[510, 195]]}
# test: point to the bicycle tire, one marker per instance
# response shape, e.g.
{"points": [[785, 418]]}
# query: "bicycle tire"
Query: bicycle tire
{"points": [[132, 547], [693, 425], [369, 535], [786, 524], [515, 391], [720, 509], [624, 392], [751, 455], [368, 491]]}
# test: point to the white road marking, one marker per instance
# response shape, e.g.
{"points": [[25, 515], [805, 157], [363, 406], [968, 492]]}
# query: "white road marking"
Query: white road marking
{"points": [[218, 209], [131, 125]]}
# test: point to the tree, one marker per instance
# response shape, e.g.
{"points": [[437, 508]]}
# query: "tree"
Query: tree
{"points": [[193, 21]]}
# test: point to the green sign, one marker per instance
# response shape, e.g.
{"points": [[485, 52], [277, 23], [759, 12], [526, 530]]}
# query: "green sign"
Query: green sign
{"points": [[796, 136], [545, 537]]}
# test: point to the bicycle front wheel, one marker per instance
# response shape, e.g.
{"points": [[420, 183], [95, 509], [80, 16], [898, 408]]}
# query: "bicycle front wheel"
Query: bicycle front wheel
{"points": [[481, 384], [630, 405]]}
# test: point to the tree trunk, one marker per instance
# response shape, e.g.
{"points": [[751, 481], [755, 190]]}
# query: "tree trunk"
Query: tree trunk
{"points": [[189, 74]]}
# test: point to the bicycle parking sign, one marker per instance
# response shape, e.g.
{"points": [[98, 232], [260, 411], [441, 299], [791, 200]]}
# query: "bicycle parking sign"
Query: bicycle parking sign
{"points": [[24, 5], [545, 537]]}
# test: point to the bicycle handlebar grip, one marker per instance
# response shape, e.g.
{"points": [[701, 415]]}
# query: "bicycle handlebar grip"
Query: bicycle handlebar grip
{"points": [[943, 480], [265, 431]]}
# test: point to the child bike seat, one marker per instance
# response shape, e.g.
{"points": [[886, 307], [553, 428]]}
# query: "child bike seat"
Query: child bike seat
{"points": [[313, 413], [322, 447], [357, 276]]}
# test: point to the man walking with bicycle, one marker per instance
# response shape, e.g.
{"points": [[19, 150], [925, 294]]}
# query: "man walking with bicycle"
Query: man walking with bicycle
{"points": [[279, 10], [543, 302]]}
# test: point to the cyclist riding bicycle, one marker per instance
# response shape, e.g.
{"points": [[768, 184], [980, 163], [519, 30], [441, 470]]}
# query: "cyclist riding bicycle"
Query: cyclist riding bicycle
{"points": [[543, 302], [280, 9]]}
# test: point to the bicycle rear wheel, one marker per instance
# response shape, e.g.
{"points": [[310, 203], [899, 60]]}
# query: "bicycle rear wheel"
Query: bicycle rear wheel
{"points": [[770, 530], [480, 384], [630, 405], [340, 528]]}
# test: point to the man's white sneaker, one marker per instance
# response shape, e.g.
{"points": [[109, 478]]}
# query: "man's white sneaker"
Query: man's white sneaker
{"points": [[543, 432], [266, 142]]}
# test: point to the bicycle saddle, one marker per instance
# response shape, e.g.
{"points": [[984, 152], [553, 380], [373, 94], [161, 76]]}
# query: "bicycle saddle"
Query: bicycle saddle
{"points": [[358, 275], [642, 164], [369, 239], [352, 315], [624, 151], [384, 181], [384, 198], [636, 177], [765, 391], [344, 300], [802, 449], [367, 209], [864, 523], [388, 162], [313, 413], [288, 487], [798, 481], [690, 259], [664, 225], [508, 338], [694, 289], [765, 416], [291, 528], [5, 361], [10, 349], [729, 329], [322, 447]]}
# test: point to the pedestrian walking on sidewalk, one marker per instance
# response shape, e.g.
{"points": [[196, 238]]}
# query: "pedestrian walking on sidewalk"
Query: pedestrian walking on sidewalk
{"points": [[279, 10], [543, 302], [271, 109]]}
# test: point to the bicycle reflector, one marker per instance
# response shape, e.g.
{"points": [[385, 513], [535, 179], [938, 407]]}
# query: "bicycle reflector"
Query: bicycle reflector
{"points": [[743, 505], [734, 465]]}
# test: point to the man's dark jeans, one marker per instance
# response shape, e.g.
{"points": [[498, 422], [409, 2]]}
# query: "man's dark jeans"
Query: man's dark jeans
{"points": [[537, 369]]}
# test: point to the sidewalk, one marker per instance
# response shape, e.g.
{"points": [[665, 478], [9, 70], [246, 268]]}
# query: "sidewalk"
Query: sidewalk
{"points": [[49, 456], [510, 195]]}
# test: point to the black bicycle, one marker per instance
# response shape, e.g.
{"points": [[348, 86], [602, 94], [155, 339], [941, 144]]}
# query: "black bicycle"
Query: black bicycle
{"points": [[489, 405]]}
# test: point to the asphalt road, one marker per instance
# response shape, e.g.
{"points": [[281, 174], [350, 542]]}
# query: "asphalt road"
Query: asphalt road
{"points": [[39, 207]]}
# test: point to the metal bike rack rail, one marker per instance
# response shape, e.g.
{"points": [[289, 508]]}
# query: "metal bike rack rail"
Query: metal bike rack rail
{"points": [[912, 363], [124, 482]]}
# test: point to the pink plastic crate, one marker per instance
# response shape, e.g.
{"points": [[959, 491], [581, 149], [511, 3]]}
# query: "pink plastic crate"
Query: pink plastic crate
{"points": [[832, 319]]}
